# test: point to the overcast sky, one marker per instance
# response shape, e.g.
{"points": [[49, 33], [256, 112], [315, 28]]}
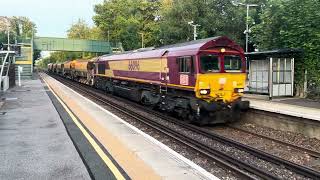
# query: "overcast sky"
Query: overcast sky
{"points": [[52, 17]]}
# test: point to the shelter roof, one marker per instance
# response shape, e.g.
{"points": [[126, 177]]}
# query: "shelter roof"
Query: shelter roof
{"points": [[286, 52]]}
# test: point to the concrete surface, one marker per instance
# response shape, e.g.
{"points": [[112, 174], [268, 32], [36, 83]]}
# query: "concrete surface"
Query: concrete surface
{"points": [[309, 103], [141, 157], [33, 141], [300, 102], [277, 106], [307, 127]]}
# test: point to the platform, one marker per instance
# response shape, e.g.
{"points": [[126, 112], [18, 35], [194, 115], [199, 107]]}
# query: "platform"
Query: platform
{"points": [[138, 154], [33, 140], [296, 107]]}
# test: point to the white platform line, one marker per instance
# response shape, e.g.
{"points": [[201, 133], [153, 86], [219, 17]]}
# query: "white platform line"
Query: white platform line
{"points": [[153, 140]]}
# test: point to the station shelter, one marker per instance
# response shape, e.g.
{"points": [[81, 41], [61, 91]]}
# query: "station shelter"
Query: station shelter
{"points": [[271, 72]]}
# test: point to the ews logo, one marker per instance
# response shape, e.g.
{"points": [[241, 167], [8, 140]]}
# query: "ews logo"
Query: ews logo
{"points": [[134, 65]]}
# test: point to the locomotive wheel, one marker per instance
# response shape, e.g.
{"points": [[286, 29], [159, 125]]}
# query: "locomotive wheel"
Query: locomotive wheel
{"points": [[236, 111]]}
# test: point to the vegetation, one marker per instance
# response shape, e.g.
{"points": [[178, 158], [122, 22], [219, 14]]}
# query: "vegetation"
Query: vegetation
{"points": [[273, 24], [293, 24], [19, 27], [127, 21]]}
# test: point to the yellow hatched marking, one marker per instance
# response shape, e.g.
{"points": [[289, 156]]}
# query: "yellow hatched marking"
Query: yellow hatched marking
{"points": [[96, 147]]}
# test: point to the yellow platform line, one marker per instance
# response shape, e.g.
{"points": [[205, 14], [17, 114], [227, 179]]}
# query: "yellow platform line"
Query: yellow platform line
{"points": [[94, 144]]}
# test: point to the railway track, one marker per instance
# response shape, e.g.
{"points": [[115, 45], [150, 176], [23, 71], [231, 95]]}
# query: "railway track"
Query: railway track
{"points": [[312, 153], [242, 169]]}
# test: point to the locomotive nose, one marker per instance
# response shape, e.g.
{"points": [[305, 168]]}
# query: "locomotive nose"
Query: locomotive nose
{"points": [[226, 87]]}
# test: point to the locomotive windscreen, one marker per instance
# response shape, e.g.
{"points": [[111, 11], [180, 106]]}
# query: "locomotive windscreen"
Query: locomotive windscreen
{"points": [[232, 62], [209, 63]]}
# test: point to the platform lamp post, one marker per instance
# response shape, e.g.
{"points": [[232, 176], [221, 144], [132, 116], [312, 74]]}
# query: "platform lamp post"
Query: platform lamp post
{"points": [[142, 39], [195, 34], [247, 31]]}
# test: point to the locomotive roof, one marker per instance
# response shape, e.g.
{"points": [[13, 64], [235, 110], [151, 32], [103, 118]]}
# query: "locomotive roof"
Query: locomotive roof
{"points": [[180, 49]]}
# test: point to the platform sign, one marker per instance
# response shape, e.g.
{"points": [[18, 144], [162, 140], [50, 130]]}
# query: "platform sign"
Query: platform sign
{"points": [[184, 79]]}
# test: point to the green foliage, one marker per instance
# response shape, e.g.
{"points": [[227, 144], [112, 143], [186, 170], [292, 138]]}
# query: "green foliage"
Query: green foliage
{"points": [[81, 30], [216, 17], [293, 24], [166, 21], [125, 20], [27, 27], [20, 27]]}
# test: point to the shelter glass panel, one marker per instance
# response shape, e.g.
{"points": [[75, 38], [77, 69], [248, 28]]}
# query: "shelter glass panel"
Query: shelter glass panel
{"points": [[259, 76]]}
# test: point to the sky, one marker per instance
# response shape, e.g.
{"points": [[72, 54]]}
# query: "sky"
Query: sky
{"points": [[52, 17]]}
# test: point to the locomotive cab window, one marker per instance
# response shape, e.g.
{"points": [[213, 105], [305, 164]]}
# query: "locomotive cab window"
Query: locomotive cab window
{"points": [[185, 64], [101, 68], [209, 63], [232, 63]]}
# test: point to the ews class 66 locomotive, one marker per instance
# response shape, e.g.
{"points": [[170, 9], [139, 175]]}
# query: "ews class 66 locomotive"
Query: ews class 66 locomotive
{"points": [[200, 81]]}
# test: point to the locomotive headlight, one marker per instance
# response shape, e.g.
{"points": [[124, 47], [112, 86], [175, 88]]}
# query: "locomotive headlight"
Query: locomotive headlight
{"points": [[204, 91], [238, 90]]}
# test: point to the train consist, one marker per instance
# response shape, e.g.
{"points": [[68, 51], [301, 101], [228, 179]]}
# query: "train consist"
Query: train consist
{"points": [[200, 81]]}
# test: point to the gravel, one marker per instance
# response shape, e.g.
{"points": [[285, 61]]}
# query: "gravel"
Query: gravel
{"points": [[185, 151], [266, 145], [279, 171], [285, 136]]}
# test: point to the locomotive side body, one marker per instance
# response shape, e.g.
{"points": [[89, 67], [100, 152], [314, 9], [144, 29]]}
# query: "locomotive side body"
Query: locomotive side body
{"points": [[200, 80]]}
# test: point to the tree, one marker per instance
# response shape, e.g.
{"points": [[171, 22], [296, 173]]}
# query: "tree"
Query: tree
{"points": [[20, 28], [293, 24], [23, 27], [216, 17], [79, 30], [124, 20]]}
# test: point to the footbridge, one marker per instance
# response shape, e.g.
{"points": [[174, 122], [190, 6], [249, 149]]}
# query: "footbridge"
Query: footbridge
{"points": [[28, 46]]}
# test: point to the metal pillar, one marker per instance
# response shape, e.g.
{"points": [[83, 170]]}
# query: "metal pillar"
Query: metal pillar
{"points": [[247, 21], [195, 34], [2, 66], [247, 29], [270, 79]]}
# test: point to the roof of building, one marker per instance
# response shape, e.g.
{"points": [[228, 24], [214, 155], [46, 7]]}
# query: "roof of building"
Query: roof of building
{"points": [[286, 52], [180, 49]]}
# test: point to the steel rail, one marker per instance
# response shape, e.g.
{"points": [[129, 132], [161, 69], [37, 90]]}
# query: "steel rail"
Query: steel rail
{"points": [[299, 169], [312, 153], [226, 161]]}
